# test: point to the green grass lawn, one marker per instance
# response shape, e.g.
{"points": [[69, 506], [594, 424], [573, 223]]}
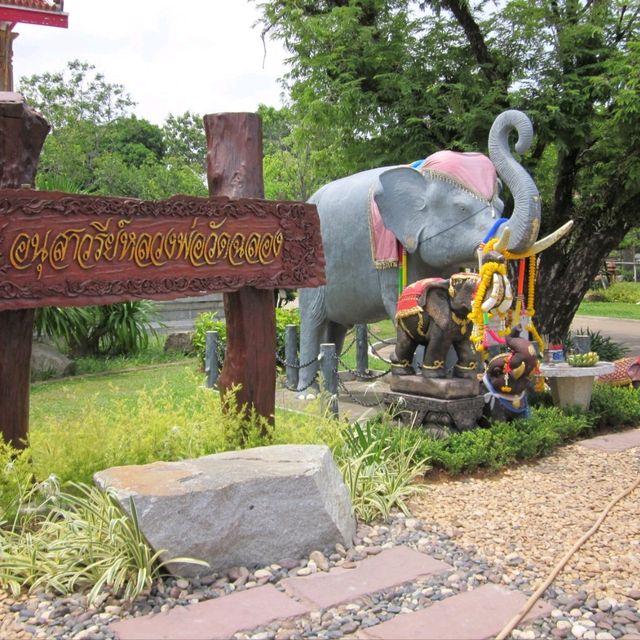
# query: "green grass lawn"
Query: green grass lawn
{"points": [[71, 398], [378, 331], [622, 310]]}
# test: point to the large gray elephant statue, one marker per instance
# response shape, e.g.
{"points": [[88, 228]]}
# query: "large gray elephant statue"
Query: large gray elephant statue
{"points": [[439, 213]]}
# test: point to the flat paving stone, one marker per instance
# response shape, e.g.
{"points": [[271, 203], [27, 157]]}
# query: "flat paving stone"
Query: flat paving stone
{"points": [[389, 568], [216, 619], [614, 442], [473, 615]]}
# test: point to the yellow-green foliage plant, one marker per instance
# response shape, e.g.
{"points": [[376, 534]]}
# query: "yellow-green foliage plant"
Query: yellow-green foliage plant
{"points": [[151, 425]]}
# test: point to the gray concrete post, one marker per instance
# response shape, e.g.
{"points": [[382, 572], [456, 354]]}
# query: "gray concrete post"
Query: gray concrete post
{"points": [[291, 355], [211, 364], [362, 349], [329, 372]]}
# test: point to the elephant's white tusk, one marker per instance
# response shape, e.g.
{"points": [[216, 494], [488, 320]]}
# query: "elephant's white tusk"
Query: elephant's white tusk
{"points": [[504, 306], [503, 240], [496, 295], [543, 244]]}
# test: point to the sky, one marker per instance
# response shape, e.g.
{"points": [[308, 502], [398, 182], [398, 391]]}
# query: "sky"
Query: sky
{"points": [[172, 56]]}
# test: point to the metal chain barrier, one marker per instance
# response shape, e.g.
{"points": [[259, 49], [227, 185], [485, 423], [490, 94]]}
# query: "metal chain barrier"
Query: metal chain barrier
{"points": [[221, 348], [363, 376], [342, 387], [379, 339], [284, 363]]}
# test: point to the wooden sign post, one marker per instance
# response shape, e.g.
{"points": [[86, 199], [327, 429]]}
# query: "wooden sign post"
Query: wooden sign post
{"points": [[72, 250], [234, 169], [22, 134]]}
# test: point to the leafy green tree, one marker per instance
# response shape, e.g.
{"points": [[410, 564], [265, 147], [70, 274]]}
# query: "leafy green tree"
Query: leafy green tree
{"points": [[136, 140], [185, 139], [78, 93], [98, 146], [377, 82]]}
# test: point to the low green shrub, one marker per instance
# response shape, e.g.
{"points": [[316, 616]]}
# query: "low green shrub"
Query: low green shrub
{"points": [[16, 477], [615, 406], [504, 443], [628, 292]]}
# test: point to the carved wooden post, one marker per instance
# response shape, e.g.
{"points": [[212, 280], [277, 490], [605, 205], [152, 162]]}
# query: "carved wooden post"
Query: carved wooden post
{"points": [[22, 134], [234, 169]]}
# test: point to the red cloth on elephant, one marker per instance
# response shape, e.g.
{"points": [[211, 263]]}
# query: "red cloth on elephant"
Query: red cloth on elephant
{"points": [[408, 300]]}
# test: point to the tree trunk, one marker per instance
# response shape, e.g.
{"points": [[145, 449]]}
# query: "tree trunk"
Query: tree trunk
{"points": [[565, 276], [234, 169], [22, 134]]}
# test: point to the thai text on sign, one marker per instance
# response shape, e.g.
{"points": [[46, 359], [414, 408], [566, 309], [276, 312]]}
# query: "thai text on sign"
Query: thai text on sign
{"points": [[125, 242], [63, 249]]}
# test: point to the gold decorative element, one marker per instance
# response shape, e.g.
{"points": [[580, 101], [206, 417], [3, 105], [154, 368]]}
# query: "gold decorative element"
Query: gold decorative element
{"points": [[470, 367], [420, 327], [407, 313], [386, 264], [437, 364], [463, 323], [401, 364], [518, 372]]}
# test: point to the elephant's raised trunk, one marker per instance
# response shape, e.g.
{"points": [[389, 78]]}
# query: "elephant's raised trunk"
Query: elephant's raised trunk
{"points": [[525, 220]]}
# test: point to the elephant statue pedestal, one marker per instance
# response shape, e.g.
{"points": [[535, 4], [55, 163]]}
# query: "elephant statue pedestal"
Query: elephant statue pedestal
{"points": [[441, 405], [441, 388], [439, 416]]}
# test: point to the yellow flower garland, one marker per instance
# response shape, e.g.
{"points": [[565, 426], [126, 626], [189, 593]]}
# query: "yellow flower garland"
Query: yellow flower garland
{"points": [[476, 314], [531, 291]]}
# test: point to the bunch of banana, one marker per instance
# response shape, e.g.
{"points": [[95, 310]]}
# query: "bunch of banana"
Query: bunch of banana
{"points": [[583, 359]]}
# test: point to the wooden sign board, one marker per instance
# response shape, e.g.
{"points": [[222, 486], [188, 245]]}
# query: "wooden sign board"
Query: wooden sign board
{"points": [[59, 249]]}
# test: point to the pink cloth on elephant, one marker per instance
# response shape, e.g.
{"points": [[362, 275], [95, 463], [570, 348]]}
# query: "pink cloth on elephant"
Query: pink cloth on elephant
{"points": [[384, 245], [473, 170]]}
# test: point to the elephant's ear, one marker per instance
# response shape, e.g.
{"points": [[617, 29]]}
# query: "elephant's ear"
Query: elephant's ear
{"points": [[401, 198], [436, 303]]}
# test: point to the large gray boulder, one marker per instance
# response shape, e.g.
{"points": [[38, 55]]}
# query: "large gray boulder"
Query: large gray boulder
{"points": [[47, 361], [240, 508]]}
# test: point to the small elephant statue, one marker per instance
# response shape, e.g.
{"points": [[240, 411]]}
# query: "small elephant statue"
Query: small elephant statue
{"points": [[433, 312], [508, 376]]}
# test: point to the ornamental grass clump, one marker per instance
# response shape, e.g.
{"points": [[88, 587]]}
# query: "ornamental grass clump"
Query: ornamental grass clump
{"points": [[380, 464], [77, 540]]}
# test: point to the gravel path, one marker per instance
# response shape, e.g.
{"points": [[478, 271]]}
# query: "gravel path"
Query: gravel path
{"points": [[527, 518], [509, 529]]}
